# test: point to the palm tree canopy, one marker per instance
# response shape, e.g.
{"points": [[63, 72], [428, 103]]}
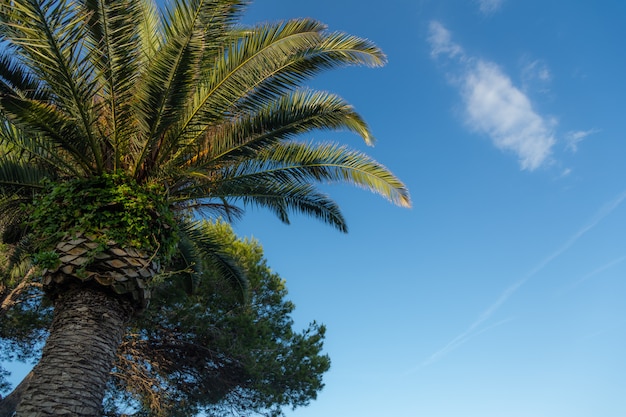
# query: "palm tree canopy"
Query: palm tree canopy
{"points": [[185, 98]]}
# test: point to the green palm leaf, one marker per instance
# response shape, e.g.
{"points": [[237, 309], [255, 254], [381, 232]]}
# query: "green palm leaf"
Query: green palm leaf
{"points": [[16, 176], [333, 163], [293, 114], [205, 245], [282, 198], [16, 79], [174, 70], [112, 47], [61, 132], [267, 63], [47, 37]]}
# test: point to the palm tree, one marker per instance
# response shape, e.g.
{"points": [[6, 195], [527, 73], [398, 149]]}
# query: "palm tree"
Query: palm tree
{"points": [[120, 124]]}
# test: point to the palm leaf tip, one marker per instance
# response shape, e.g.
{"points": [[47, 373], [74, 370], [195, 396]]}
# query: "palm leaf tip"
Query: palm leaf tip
{"points": [[404, 199], [392, 189]]}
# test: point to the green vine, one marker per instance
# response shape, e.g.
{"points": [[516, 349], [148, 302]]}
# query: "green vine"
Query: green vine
{"points": [[108, 207]]}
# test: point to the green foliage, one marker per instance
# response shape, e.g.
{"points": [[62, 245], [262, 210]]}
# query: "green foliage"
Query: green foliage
{"points": [[23, 328], [108, 207], [46, 259], [24, 316], [201, 349]]}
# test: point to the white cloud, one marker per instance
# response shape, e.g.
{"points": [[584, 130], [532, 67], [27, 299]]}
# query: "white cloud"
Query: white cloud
{"points": [[490, 6], [441, 42], [494, 106], [575, 137]]}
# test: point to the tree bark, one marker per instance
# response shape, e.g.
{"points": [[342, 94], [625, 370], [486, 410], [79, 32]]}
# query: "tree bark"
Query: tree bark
{"points": [[70, 379]]}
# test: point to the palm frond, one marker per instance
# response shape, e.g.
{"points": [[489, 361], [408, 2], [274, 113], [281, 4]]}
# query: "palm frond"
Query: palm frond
{"points": [[20, 260], [17, 176], [187, 265], [301, 164], [168, 81], [34, 149], [330, 163], [12, 214], [47, 36], [220, 27], [204, 207], [115, 53], [17, 80], [209, 247], [239, 68], [194, 35], [149, 30], [287, 117], [268, 62], [281, 197], [59, 130], [333, 50]]}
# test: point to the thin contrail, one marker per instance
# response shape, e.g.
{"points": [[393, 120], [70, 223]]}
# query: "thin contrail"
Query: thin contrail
{"points": [[599, 270], [471, 331]]}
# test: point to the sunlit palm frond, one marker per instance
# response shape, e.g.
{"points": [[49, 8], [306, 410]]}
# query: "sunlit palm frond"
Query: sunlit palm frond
{"points": [[331, 163], [47, 37], [291, 115], [333, 50], [241, 66], [167, 82], [149, 30], [219, 26], [195, 34]]}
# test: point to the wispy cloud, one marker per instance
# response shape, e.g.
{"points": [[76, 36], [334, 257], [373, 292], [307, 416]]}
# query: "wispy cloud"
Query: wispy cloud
{"points": [[537, 69], [490, 6], [575, 137], [440, 40], [536, 75], [464, 337], [599, 270], [475, 327], [494, 106]]}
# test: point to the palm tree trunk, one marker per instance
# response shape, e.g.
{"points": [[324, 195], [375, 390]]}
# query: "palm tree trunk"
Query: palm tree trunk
{"points": [[71, 377]]}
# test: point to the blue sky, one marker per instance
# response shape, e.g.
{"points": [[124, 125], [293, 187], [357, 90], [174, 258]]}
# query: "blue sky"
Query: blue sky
{"points": [[502, 291]]}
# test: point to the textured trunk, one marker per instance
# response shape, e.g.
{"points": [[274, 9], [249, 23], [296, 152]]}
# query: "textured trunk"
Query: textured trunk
{"points": [[70, 379]]}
